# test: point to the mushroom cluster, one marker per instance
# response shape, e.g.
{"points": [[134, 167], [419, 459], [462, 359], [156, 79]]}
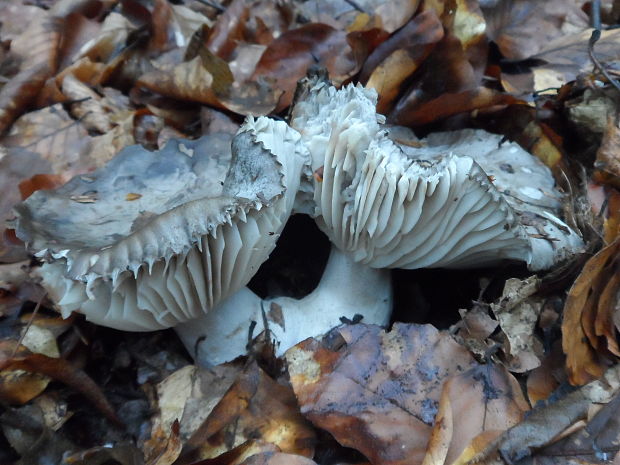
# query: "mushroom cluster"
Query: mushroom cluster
{"points": [[210, 211]]}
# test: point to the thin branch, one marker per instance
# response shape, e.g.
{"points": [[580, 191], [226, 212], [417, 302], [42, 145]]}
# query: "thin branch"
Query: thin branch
{"points": [[596, 35]]}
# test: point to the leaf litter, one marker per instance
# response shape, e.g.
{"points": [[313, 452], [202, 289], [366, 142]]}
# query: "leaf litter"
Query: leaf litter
{"points": [[519, 368]]}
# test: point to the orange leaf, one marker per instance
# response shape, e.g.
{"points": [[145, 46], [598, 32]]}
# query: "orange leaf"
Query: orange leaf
{"points": [[578, 333], [40, 182]]}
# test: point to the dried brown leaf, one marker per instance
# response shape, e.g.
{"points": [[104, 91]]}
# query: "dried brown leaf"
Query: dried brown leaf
{"points": [[608, 155], [376, 391], [55, 136], [579, 338], [103, 148], [228, 29], [410, 111], [17, 386], [521, 28], [484, 401], [87, 107], [40, 182], [78, 31], [187, 81], [393, 61], [288, 58], [20, 92], [255, 407], [517, 312], [164, 448], [112, 36], [563, 59], [542, 381]]}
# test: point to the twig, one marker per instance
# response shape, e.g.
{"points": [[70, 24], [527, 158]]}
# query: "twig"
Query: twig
{"points": [[213, 4], [356, 5], [28, 325], [595, 14], [596, 35]]}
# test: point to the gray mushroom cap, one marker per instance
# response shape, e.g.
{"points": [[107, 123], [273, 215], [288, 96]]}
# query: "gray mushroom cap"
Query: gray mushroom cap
{"points": [[205, 219], [388, 206]]}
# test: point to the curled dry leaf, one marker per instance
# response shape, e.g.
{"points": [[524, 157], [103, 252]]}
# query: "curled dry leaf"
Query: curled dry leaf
{"points": [[229, 412], [612, 220], [376, 391], [17, 386], [112, 36], [588, 330], [228, 29], [239, 454], [59, 370], [192, 81], [517, 312], [166, 447], [254, 407]]}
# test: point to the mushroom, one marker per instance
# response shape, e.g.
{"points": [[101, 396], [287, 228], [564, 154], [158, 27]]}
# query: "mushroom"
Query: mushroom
{"points": [[156, 239], [165, 239], [388, 206]]}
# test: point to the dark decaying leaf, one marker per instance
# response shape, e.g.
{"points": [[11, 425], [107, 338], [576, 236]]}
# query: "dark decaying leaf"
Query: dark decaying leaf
{"points": [[376, 391]]}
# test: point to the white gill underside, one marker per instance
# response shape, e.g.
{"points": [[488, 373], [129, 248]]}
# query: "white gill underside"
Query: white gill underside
{"points": [[185, 287], [399, 214], [390, 210]]}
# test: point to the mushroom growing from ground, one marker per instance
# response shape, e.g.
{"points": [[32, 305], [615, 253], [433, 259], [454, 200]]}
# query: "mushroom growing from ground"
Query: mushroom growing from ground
{"points": [[155, 239], [386, 206], [185, 260]]}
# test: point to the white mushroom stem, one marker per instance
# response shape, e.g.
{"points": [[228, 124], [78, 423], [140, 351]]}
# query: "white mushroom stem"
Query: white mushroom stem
{"points": [[346, 289]]}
